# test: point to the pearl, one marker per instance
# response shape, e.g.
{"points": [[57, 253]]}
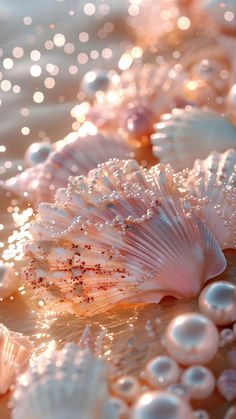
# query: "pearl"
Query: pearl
{"points": [[138, 123], [127, 388], [37, 153], [161, 405], [192, 338], [218, 302], [161, 372], [180, 390], [199, 380], [117, 408], [200, 414], [94, 81]]}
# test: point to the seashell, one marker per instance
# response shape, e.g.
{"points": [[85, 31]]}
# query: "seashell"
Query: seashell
{"points": [[15, 353], [211, 189], [62, 383], [226, 384], [40, 183], [231, 413], [191, 133], [118, 236]]}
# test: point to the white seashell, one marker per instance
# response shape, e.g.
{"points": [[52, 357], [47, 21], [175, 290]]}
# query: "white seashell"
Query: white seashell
{"points": [[15, 353], [191, 133], [211, 189], [118, 236], [67, 383], [40, 183], [226, 384]]}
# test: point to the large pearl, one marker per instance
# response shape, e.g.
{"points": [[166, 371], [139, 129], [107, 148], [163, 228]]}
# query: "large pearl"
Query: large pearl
{"points": [[218, 302], [161, 405], [192, 338], [161, 372], [95, 81], [37, 153], [127, 388], [199, 380]]}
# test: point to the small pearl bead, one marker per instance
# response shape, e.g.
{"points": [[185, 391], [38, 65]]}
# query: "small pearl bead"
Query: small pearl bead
{"points": [[127, 388], [94, 81], [218, 302], [227, 335], [117, 408], [37, 153], [201, 414], [180, 390], [161, 372], [199, 380], [192, 338], [160, 404]]}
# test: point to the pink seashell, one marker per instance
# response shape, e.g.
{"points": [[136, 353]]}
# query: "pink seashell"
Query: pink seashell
{"points": [[211, 189], [118, 236], [15, 353], [40, 183], [226, 384], [187, 134], [59, 384]]}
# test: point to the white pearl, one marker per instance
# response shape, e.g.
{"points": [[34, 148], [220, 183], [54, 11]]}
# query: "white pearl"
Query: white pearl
{"points": [[94, 81], [200, 414], [218, 302], [116, 409], [161, 405], [180, 390], [199, 380], [37, 153], [192, 338], [126, 387], [161, 372]]}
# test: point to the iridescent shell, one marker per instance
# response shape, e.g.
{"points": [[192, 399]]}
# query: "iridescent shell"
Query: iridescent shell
{"points": [[39, 183], [226, 384], [191, 133], [210, 186], [118, 236], [15, 353], [62, 383]]}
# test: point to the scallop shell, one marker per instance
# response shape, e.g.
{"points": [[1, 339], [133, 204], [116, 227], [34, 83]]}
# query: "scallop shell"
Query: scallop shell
{"points": [[118, 236], [63, 384], [40, 183], [210, 186], [15, 353], [191, 133], [226, 384]]}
